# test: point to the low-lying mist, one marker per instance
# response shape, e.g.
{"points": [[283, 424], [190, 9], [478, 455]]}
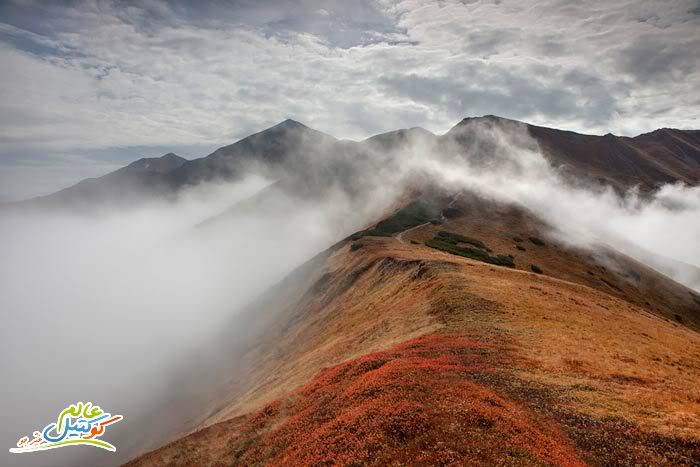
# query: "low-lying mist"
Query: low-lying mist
{"points": [[106, 306], [503, 163]]}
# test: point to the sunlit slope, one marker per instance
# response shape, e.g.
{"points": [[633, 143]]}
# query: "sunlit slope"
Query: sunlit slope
{"points": [[484, 364]]}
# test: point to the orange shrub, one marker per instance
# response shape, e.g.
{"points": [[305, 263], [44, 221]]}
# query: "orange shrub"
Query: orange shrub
{"points": [[412, 404]]}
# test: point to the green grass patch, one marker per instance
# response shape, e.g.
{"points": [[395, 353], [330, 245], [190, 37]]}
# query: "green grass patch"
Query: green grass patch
{"points": [[356, 236], [633, 275], [451, 213], [417, 213], [457, 238], [536, 241], [449, 243]]}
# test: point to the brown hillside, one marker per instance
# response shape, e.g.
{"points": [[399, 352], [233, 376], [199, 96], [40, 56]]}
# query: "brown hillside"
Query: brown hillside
{"points": [[484, 364], [663, 156]]}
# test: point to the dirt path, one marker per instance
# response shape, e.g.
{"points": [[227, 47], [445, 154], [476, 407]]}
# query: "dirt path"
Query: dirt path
{"points": [[399, 236]]}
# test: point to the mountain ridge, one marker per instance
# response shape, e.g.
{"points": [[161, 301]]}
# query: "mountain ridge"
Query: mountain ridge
{"points": [[442, 289], [646, 160], [377, 321]]}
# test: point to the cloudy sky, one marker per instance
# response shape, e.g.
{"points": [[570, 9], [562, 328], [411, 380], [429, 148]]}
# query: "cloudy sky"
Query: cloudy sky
{"points": [[86, 87]]}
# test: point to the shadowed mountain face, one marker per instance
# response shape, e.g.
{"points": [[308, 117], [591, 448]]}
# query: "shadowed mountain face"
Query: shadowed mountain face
{"points": [[160, 165], [143, 179], [662, 156], [291, 150], [268, 151]]}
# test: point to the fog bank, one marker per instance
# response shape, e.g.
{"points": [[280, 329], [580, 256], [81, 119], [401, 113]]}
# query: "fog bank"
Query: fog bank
{"points": [[505, 164], [106, 306]]}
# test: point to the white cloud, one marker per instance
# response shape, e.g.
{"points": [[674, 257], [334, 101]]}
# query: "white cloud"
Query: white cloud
{"points": [[506, 164], [159, 74], [139, 297]]}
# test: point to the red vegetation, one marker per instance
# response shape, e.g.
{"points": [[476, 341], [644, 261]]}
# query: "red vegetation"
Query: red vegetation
{"points": [[412, 404]]}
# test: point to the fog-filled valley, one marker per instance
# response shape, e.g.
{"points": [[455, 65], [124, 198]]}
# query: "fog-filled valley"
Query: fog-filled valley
{"points": [[332, 233], [136, 304]]}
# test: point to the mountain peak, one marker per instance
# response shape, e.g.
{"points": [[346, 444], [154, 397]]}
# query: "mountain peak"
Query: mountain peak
{"points": [[485, 118], [488, 119], [171, 156], [285, 129], [290, 124]]}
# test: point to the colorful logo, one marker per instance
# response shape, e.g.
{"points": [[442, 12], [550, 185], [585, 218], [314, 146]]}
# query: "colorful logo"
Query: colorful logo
{"points": [[77, 424]]}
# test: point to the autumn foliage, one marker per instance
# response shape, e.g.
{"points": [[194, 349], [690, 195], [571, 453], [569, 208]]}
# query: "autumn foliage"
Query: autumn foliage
{"points": [[413, 404]]}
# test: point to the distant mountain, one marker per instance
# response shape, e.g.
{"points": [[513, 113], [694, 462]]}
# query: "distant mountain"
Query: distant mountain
{"points": [[161, 165], [265, 151], [647, 160], [315, 160], [395, 139], [147, 177]]}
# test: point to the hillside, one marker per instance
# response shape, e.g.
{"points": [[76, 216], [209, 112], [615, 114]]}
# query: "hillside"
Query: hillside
{"points": [[393, 350], [647, 160], [146, 178], [453, 325]]}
